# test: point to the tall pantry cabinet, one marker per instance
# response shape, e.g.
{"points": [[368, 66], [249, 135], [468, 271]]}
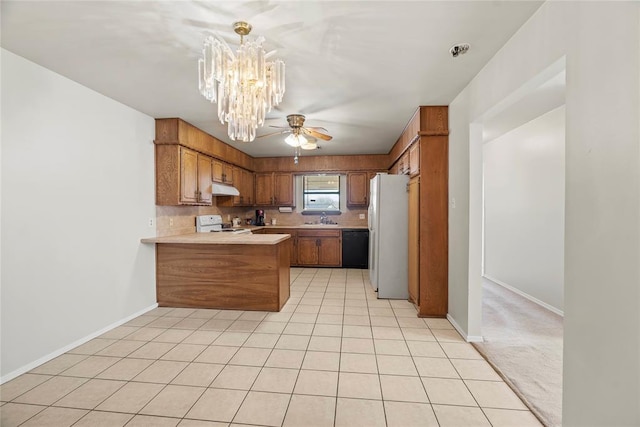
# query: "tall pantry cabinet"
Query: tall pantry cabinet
{"points": [[422, 152]]}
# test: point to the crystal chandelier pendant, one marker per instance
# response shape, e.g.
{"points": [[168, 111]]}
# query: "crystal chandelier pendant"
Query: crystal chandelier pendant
{"points": [[244, 85]]}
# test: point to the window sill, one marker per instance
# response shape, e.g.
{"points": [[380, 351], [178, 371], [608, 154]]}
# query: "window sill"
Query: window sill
{"points": [[315, 212]]}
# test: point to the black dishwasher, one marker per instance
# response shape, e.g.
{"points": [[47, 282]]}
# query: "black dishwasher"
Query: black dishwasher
{"points": [[355, 248]]}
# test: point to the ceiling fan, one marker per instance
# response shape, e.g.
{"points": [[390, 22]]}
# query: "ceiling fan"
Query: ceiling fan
{"points": [[298, 131]]}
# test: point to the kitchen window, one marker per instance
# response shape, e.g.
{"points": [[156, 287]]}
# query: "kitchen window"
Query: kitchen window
{"points": [[321, 193]]}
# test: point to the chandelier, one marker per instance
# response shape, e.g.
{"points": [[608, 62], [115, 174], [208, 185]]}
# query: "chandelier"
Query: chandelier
{"points": [[244, 85]]}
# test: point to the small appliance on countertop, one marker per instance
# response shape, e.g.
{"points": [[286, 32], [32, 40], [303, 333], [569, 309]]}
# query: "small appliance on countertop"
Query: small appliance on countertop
{"points": [[259, 217], [213, 223]]}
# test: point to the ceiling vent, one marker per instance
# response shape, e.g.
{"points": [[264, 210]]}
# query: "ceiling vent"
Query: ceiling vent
{"points": [[459, 49]]}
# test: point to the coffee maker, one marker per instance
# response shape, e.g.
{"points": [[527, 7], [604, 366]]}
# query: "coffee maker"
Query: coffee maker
{"points": [[259, 217]]}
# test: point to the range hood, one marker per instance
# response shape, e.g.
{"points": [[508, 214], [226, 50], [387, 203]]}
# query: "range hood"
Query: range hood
{"points": [[224, 190]]}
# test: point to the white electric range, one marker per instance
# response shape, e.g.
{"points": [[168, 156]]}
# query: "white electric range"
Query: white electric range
{"points": [[213, 223]]}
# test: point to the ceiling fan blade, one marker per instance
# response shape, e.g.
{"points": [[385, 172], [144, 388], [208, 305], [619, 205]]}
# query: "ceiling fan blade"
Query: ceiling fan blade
{"points": [[317, 134], [281, 132], [316, 128], [279, 127]]}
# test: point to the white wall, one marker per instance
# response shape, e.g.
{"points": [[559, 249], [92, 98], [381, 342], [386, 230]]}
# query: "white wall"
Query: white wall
{"points": [[77, 192], [601, 42], [524, 208]]}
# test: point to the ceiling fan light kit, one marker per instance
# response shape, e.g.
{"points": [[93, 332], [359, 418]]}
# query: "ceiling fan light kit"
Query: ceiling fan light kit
{"points": [[310, 145], [296, 140], [300, 137], [244, 85]]}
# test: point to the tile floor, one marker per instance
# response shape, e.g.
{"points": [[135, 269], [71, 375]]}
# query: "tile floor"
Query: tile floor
{"points": [[334, 356]]}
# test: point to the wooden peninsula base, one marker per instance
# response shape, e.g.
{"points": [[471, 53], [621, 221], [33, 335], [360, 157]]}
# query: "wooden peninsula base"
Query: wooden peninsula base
{"points": [[223, 276]]}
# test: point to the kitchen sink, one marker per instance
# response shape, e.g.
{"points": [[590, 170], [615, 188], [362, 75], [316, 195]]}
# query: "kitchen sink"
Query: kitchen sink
{"points": [[320, 225]]}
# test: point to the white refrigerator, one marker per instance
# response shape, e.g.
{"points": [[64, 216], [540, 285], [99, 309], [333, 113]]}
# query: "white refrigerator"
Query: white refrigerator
{"points": [[388, 235]]}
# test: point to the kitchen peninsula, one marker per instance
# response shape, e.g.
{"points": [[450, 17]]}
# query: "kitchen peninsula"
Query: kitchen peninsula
{"points": [[218, 270]]}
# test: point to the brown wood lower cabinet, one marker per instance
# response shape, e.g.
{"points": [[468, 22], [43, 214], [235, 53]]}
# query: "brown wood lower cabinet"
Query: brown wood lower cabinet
{"points": [[319, 248], [293, 248], [311, 248], [226, 276]]}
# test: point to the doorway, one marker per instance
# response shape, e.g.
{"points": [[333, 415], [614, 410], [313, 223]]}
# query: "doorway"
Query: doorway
{"points": [[521, 277]]}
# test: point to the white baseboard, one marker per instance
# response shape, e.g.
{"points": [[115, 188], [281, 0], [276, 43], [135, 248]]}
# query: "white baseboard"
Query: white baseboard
{"points": [[525, 295], [468, 338], [54, 354]]}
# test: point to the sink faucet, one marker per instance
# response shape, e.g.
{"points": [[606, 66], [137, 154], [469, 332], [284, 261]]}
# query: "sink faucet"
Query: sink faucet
{"points": [[323, 218]]}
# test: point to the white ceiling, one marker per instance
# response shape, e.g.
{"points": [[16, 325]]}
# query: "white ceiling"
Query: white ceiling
{"points": [[359, 69]]}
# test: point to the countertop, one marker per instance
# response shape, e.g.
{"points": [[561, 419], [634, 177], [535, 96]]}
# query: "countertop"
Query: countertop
{"points": [[220, 239], [308, 226], [246, 239]]}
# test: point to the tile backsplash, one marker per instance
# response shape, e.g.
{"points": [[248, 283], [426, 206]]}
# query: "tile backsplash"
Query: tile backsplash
{"points": [[349, 217], [173, 220]]}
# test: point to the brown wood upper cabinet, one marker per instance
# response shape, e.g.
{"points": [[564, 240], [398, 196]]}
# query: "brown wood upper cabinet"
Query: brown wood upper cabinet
{"points": [[227, 173], [274, 189], [403, 168], [247, 191], [221, 172], [414, 159], [204, 179], [243, 181], [357, 189], [183, 176]]}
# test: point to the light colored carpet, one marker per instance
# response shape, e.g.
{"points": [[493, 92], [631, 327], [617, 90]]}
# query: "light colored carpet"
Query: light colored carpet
{"points": [[523, 341]]}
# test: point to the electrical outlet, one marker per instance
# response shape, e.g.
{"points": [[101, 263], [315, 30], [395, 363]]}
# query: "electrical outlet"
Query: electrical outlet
{"points": [[453, 203], [170, 222], [361, 216], [152, 222]]}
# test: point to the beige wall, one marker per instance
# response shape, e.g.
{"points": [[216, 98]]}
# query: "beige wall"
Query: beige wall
{"points": [[77, 195], [601, 385], [524, 209]]}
